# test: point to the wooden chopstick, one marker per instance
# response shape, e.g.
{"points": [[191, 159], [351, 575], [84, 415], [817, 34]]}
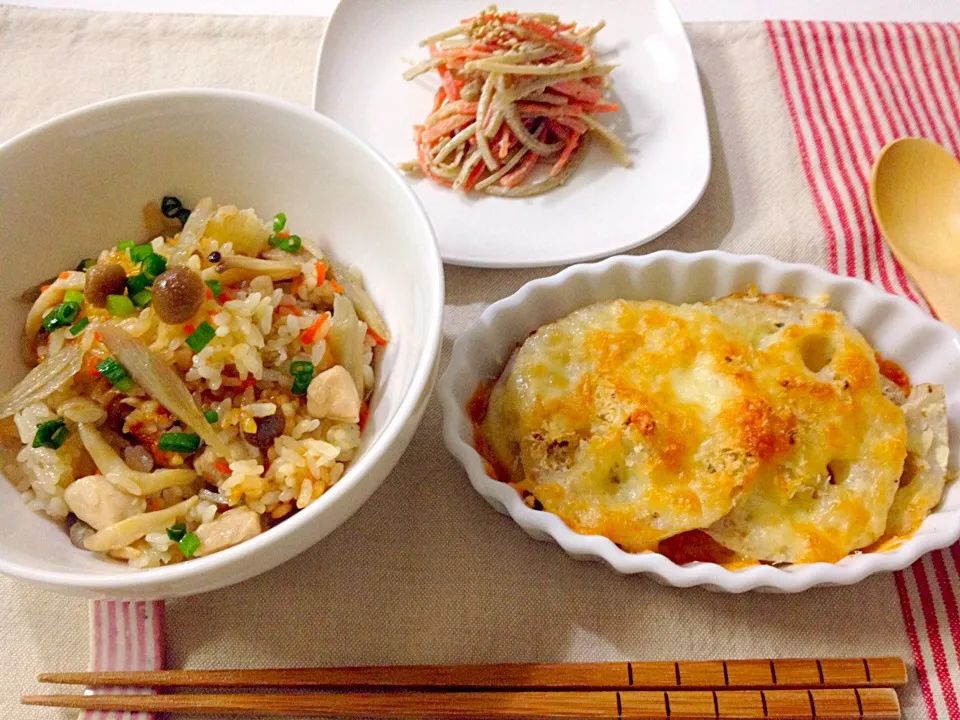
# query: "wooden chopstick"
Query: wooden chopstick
{"points": [[830, 704], [714, 674]]}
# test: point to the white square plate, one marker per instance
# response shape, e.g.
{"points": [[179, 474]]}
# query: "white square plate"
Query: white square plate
{"points": [[604, 208]]}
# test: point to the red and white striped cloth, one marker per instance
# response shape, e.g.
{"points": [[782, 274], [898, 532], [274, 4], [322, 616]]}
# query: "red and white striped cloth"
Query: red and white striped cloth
{"points": [[850, 89], [125, 635]]}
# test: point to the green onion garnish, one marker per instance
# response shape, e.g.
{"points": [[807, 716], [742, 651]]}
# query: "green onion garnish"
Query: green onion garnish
{"points": [[300, 384], [176, 532], [153, 265], [117, 374], [78, 328], [216, 287], [74, 296], [136, 284], [62, 315], [201, 337], [126, 245], [51, 434], [120, 305], [211, 416], [290, 244], [142, 298], [189, 544], [302, 371], [179, 442], [140, 253], [301, 367], [279, 222]]}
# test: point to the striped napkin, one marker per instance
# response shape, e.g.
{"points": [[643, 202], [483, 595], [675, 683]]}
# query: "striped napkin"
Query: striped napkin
{"points": [[426, 572], [851, 89]]}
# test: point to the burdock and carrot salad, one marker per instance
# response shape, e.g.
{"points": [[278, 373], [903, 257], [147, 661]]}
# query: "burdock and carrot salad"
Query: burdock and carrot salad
{"points": [[191, 391]]}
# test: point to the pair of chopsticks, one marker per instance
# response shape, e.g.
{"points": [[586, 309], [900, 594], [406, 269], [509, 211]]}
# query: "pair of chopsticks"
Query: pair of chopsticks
{"points": [[821, 689]]}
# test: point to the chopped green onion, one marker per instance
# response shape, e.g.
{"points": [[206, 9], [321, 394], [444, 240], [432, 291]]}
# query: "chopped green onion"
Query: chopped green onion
{"points": [[211, 416], [290, 244], [189, 544], [62, 315], [51, 434], [302, 371], [300, 384], [78, 328], [120, 305], [153, 265], [177, 531], [142, 298], [141, 252], [86, 264], [74, 296], [117, 374], [126, 245], [216, 287], [179, 442], [136, 284], [279, 222], [201, 337], [301, 367]]}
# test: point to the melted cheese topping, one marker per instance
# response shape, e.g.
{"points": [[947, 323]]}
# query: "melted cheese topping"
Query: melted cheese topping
{"points": [[756, 418]]}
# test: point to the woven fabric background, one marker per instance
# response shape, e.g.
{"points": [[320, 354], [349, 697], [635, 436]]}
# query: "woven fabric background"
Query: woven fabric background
{"points": [[426, 571]]}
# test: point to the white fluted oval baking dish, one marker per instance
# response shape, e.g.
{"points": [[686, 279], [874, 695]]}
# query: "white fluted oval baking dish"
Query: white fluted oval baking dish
{"points": [[897, 328]]}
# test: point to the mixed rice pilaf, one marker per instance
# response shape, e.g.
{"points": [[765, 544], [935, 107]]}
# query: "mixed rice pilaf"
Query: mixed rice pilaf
{"points": [[191, 391]]}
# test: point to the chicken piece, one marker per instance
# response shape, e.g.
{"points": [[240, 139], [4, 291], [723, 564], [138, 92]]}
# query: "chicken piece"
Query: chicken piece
{"points": [[333, 394], [100, 503], [231, 528]]}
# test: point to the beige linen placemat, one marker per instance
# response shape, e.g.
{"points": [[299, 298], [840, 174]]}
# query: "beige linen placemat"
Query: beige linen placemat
{"points": [[426, 572]]}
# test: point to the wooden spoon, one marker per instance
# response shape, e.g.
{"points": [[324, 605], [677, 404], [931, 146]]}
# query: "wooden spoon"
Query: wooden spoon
{"points": [[915, 196]]}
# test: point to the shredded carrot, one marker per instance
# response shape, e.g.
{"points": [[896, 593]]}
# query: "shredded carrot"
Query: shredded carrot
{"points": [[310, 335], [514, 178], [447, 81], [565, 156], [446, 126], [283, 234], [507, 139], [154, 504], [285, 310], [295, 285], [438, 100], [91, 368], [474, 177], [337, 287], [44, 288], [63, 275], [321, 273], [96, 336], [209, 294], [188, 328], [376, 338], [601, 108], [364, 414], [222, 467], [578, 90]]}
